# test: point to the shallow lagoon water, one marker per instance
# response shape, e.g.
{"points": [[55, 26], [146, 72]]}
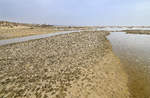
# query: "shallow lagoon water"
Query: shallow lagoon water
{"points": [[134, 52], [132, 47]]}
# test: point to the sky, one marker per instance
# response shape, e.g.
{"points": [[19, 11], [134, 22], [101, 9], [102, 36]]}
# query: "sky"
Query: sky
{"points": [[77, 12]]}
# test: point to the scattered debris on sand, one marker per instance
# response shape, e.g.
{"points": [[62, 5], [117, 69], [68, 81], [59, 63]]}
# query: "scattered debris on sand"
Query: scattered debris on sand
{"points": [[76, 65]]}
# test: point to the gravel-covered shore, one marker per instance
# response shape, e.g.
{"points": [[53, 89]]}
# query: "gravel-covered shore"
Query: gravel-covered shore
{"points": [[76, 65]]}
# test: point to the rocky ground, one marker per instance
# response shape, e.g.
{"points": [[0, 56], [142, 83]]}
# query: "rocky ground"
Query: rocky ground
{"points": [[76, 65]]}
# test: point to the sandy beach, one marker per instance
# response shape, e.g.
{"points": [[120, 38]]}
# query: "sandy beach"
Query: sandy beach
{"points": [[74, 49], [77, 65]]}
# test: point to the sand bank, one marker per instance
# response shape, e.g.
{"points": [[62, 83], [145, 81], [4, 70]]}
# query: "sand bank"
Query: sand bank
{"points": [[77, 65]]}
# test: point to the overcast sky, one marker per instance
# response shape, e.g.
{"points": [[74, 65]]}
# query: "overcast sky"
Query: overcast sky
{"points": [[77, 12]]}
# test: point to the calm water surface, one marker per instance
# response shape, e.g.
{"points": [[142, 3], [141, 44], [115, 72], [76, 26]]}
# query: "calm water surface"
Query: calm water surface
{"points": [[132, 47], [134, 52]]}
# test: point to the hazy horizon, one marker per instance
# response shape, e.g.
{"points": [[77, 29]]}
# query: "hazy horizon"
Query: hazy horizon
{"points": [[76, 12]]}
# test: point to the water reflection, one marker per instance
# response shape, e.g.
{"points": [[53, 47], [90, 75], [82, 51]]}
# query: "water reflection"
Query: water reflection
{"points": [[134, 51], [132, 47]]}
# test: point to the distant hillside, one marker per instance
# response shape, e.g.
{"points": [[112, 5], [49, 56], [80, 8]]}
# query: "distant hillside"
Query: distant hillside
{"points": [[15, 24], [12, 24]]}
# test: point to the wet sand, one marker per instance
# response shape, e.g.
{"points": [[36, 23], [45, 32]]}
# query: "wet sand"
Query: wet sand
{"points": [[76, 65], [133, 51], [137, 31], [138, 79]]}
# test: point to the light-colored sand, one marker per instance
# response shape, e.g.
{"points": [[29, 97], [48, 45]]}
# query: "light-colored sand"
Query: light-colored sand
{"points": [[105, 79], [77, 65], [21, 32], [12, 30]]}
